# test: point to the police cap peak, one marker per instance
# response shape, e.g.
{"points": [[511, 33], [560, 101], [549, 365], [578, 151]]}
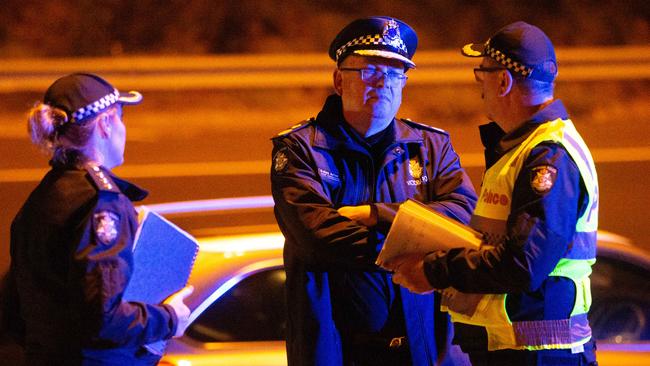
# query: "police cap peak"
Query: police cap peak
{"points": [[378, 36], [522, 48]]}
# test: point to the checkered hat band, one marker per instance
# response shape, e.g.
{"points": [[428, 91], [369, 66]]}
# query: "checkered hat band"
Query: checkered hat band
{"points": [[374, 40], [94, 107], [509, 63]]}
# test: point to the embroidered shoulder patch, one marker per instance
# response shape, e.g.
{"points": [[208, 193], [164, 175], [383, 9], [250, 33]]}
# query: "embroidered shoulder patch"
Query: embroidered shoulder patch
{"points": [[542, 178], [280, 161], [106, 224]]}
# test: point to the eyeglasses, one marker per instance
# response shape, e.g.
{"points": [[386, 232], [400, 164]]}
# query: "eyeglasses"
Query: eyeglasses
{"points": [[478, 70], [372, 76]]}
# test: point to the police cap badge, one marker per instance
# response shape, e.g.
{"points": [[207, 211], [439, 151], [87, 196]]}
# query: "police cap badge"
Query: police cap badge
{"points": [[376, 36]]}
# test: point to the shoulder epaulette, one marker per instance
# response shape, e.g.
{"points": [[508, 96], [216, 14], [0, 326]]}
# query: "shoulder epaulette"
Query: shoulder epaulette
{"points": [[297, 127], [102, 180], [423, 126]]}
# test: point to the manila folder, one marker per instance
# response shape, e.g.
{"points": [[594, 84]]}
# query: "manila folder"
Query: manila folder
{"points": [[418, 229]]}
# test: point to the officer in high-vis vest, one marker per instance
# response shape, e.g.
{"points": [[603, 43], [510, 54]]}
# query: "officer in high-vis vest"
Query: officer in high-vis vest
{"points": [[523, 297]]}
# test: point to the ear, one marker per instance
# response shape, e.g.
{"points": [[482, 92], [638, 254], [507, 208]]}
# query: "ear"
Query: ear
{"points": [[104, 125], [338, 81], [505, 83]]}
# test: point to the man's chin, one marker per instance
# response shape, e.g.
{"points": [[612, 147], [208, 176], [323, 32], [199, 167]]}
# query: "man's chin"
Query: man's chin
{"points": [[380, 104], [382, 116]]}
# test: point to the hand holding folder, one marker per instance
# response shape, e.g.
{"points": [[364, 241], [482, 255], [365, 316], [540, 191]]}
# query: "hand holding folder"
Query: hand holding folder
{"points": [[418, 230]]}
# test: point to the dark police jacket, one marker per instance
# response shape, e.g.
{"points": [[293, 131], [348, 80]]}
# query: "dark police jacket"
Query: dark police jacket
{"points": [[71, 256], [318, 168]]}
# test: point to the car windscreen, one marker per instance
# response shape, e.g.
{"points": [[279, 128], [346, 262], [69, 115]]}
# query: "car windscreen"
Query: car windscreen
{"points": [[252, 310]]}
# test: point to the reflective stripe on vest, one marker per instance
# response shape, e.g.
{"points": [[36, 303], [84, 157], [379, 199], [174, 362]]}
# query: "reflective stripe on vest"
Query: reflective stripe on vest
{"points": [[490, 217]]}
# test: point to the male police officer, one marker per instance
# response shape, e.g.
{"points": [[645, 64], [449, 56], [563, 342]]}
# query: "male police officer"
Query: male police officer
{"points": [[337, 182], [538, 207]]}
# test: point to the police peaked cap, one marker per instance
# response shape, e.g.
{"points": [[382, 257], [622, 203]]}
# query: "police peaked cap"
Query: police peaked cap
{"points": [[522, 48], [377, 36], [83, 96]]}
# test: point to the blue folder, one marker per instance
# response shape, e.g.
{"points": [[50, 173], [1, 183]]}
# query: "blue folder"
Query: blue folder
{"points": [[163, 256]]}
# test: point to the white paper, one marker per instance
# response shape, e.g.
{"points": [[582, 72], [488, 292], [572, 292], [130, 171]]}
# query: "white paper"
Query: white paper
{"points": [[418, 229]]}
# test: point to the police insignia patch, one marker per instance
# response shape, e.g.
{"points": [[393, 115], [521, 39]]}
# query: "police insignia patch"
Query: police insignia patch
{"points": [[280, 161], [106, 226], [415, 169], [542, 178]]}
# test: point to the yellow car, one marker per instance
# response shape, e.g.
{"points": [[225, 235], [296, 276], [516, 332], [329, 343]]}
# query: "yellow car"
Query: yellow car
{"points": [[238, 302]]}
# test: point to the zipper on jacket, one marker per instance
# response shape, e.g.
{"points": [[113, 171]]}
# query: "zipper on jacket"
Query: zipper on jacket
{"points": [[427, 351]]}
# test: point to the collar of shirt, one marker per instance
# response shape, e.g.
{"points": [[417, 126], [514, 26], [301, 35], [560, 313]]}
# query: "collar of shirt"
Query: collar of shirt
{"points": [[497, 142], [333, 132], [130, 190]]}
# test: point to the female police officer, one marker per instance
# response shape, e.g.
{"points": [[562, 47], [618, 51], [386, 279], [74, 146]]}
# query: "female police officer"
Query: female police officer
{"points": [[71, 243]]}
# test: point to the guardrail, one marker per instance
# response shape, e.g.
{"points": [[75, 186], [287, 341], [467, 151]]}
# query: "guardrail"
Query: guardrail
{"points": [[212, 205], [297, 70]]}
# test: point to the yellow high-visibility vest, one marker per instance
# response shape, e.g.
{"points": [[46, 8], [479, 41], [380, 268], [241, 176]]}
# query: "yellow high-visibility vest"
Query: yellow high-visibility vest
{"points": [[490, 215]]}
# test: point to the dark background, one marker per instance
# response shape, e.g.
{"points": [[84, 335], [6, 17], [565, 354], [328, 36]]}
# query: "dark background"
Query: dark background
{"points": [[37, 28]]}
